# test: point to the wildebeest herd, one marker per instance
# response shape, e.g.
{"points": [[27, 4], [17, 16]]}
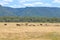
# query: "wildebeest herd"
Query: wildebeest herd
{"points": [[40, 24]]}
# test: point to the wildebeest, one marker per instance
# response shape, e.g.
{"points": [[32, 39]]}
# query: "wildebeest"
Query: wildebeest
{"points": [[41, 24], [18, 24], [26, 24], [5, 24], [31, 25], [46, 25], [56, 25]]}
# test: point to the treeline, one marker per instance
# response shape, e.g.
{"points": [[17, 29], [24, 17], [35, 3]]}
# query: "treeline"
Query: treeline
{"points": [[29, 19]]}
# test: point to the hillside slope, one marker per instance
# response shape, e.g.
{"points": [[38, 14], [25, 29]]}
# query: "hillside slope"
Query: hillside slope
{"points": [[30, 11]]}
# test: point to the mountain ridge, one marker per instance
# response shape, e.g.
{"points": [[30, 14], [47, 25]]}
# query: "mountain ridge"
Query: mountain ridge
{"points": [[30, 11]]}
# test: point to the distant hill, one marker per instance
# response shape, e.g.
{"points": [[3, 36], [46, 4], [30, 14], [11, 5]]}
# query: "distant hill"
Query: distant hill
{"points": [[30, 11]]}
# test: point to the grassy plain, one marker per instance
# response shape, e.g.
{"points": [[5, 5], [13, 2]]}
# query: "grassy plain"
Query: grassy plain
{"points": [[29, 31]]}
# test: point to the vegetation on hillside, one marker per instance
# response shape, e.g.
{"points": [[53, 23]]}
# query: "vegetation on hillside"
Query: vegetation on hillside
{"points": [[28, 19]]}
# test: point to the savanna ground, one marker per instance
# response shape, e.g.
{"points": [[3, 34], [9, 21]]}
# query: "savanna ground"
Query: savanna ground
{"points": [[29, 31]]}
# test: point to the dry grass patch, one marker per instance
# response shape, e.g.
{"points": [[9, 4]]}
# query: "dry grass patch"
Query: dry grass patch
{"points": [[29, 31], [30, 36]]}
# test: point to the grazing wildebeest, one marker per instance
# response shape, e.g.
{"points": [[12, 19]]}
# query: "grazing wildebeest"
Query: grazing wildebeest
{"points": [[26, 24], [30, 25], [5, 24], [33, 25], [18, 24], [41, 24], [56, 25]]}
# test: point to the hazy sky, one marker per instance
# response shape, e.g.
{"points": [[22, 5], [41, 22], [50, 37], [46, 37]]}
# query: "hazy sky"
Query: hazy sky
{"points": [[30, 3]]}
